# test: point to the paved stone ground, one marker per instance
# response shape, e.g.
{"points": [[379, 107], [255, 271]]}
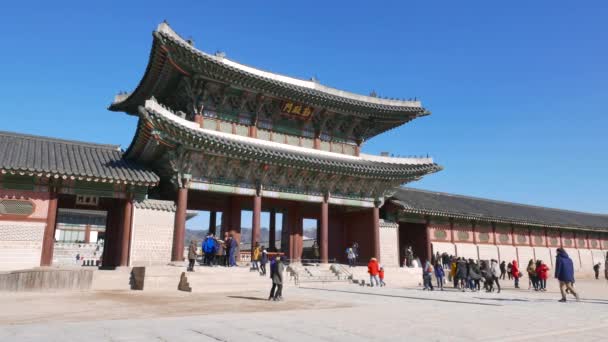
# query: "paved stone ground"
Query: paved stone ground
{"points": [[310, 313]]}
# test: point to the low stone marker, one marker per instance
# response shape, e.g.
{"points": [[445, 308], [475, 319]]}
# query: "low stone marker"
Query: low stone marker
{"points": [[138, 274], [183, 283]]}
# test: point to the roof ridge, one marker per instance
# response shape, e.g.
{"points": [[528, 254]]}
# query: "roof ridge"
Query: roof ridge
{"points": [[165, 29], [501, 201], [59, 140]]}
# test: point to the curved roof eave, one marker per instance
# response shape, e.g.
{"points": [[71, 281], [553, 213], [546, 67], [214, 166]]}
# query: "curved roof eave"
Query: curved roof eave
{"points": [[310, 90]]}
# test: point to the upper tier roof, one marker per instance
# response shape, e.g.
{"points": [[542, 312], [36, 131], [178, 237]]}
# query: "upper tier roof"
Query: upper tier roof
{"points": [[153, 116], [171, 49], [55, 158], [458, 206]]}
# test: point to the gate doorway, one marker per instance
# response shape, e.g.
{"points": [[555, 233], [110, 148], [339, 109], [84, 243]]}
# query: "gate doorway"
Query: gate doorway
{"points": [[413, 235]]}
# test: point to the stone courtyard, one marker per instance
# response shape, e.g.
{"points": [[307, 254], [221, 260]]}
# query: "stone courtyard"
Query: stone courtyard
{"points": [[311, 312]]}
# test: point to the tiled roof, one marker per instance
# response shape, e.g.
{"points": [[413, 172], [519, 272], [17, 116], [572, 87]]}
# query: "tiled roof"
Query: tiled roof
{"points": [[153, 204], [248, 77], [49, 157], [154, 115], [458, 206]]}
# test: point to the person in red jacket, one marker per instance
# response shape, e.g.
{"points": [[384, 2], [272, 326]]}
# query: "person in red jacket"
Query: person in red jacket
{"points": [[381, 275], [542, 271], [372, 269], [515, 271]]}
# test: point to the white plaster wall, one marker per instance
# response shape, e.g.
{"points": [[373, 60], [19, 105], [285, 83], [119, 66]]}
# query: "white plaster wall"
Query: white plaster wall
{"points": [[467, 250], [389, 244], [507, 253], [487, 252], [586, 260], [544, 254], [525, 253], [152, 237], [576, 260], [20, 244], [598, 256], [444, 247]]}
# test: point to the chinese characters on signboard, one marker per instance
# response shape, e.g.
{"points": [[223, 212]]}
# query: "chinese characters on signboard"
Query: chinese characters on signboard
{"points": [[297, 109]]}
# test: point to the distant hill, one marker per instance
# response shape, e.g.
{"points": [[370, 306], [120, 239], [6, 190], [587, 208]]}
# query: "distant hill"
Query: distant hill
{"points": [[199, 235]]}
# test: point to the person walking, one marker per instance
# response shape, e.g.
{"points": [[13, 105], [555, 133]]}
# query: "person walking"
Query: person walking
{"points": [[453, 274], [276, 274], [440, 275], [494, 272], [350, 255], [191, 256], [515, 273], [209, 248], [503, 270], [233, 249], [255, 258], [564, 272], [510, 271], [356, 251], [372, 269], [596, 269], [531, 269], [381, 276], [226, 244], [427, 274], [315, 252], [263, 261], [462, 273], [474, 276], [542, 271]]}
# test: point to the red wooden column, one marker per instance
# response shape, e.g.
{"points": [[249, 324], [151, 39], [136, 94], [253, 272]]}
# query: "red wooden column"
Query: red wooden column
{"points": [[179, 228], [126, 232], [255, 224], [376, 232], [48, 239], [324, 234], [212, 222], [272, 233], [87, 233]]}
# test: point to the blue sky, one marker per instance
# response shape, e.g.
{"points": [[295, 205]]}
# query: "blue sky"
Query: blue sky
{"points": [[518, 92]]}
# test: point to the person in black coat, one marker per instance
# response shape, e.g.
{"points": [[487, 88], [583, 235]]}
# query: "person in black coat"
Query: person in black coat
{"points": [[276, 274]]}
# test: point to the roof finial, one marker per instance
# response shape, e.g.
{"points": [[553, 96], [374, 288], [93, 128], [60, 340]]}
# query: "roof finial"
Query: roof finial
{"points": [[373, 94]]}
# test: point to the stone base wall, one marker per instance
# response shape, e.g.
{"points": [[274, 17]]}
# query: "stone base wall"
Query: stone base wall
{"points": [[389, 244], [20, 244], [152, 237]]}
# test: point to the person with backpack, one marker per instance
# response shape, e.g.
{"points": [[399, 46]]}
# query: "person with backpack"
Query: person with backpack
{"points": [[427, 274], [503, 270], [276, 274], [209, 248], [564, 272]]}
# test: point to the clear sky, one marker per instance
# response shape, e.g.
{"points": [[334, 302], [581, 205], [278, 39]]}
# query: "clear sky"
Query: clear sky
{"points": [[518, 90]]}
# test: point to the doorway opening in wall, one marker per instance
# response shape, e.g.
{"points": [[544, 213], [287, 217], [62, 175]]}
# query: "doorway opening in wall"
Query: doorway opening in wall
{"points": [[413, 241], [268, 229], [199, 223], [79, 237], [310, 239]]}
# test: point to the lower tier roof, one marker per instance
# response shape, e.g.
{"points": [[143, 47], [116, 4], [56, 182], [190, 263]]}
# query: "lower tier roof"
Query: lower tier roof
{"points": [[465, 207], [55, 158]]}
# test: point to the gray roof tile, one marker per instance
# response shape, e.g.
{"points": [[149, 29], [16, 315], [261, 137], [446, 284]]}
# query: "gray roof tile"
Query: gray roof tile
{"points": [[443, 204], [30, 154]]}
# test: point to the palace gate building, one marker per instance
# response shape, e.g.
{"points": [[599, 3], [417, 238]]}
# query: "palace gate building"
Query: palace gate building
{"points": [[217, 135]]}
